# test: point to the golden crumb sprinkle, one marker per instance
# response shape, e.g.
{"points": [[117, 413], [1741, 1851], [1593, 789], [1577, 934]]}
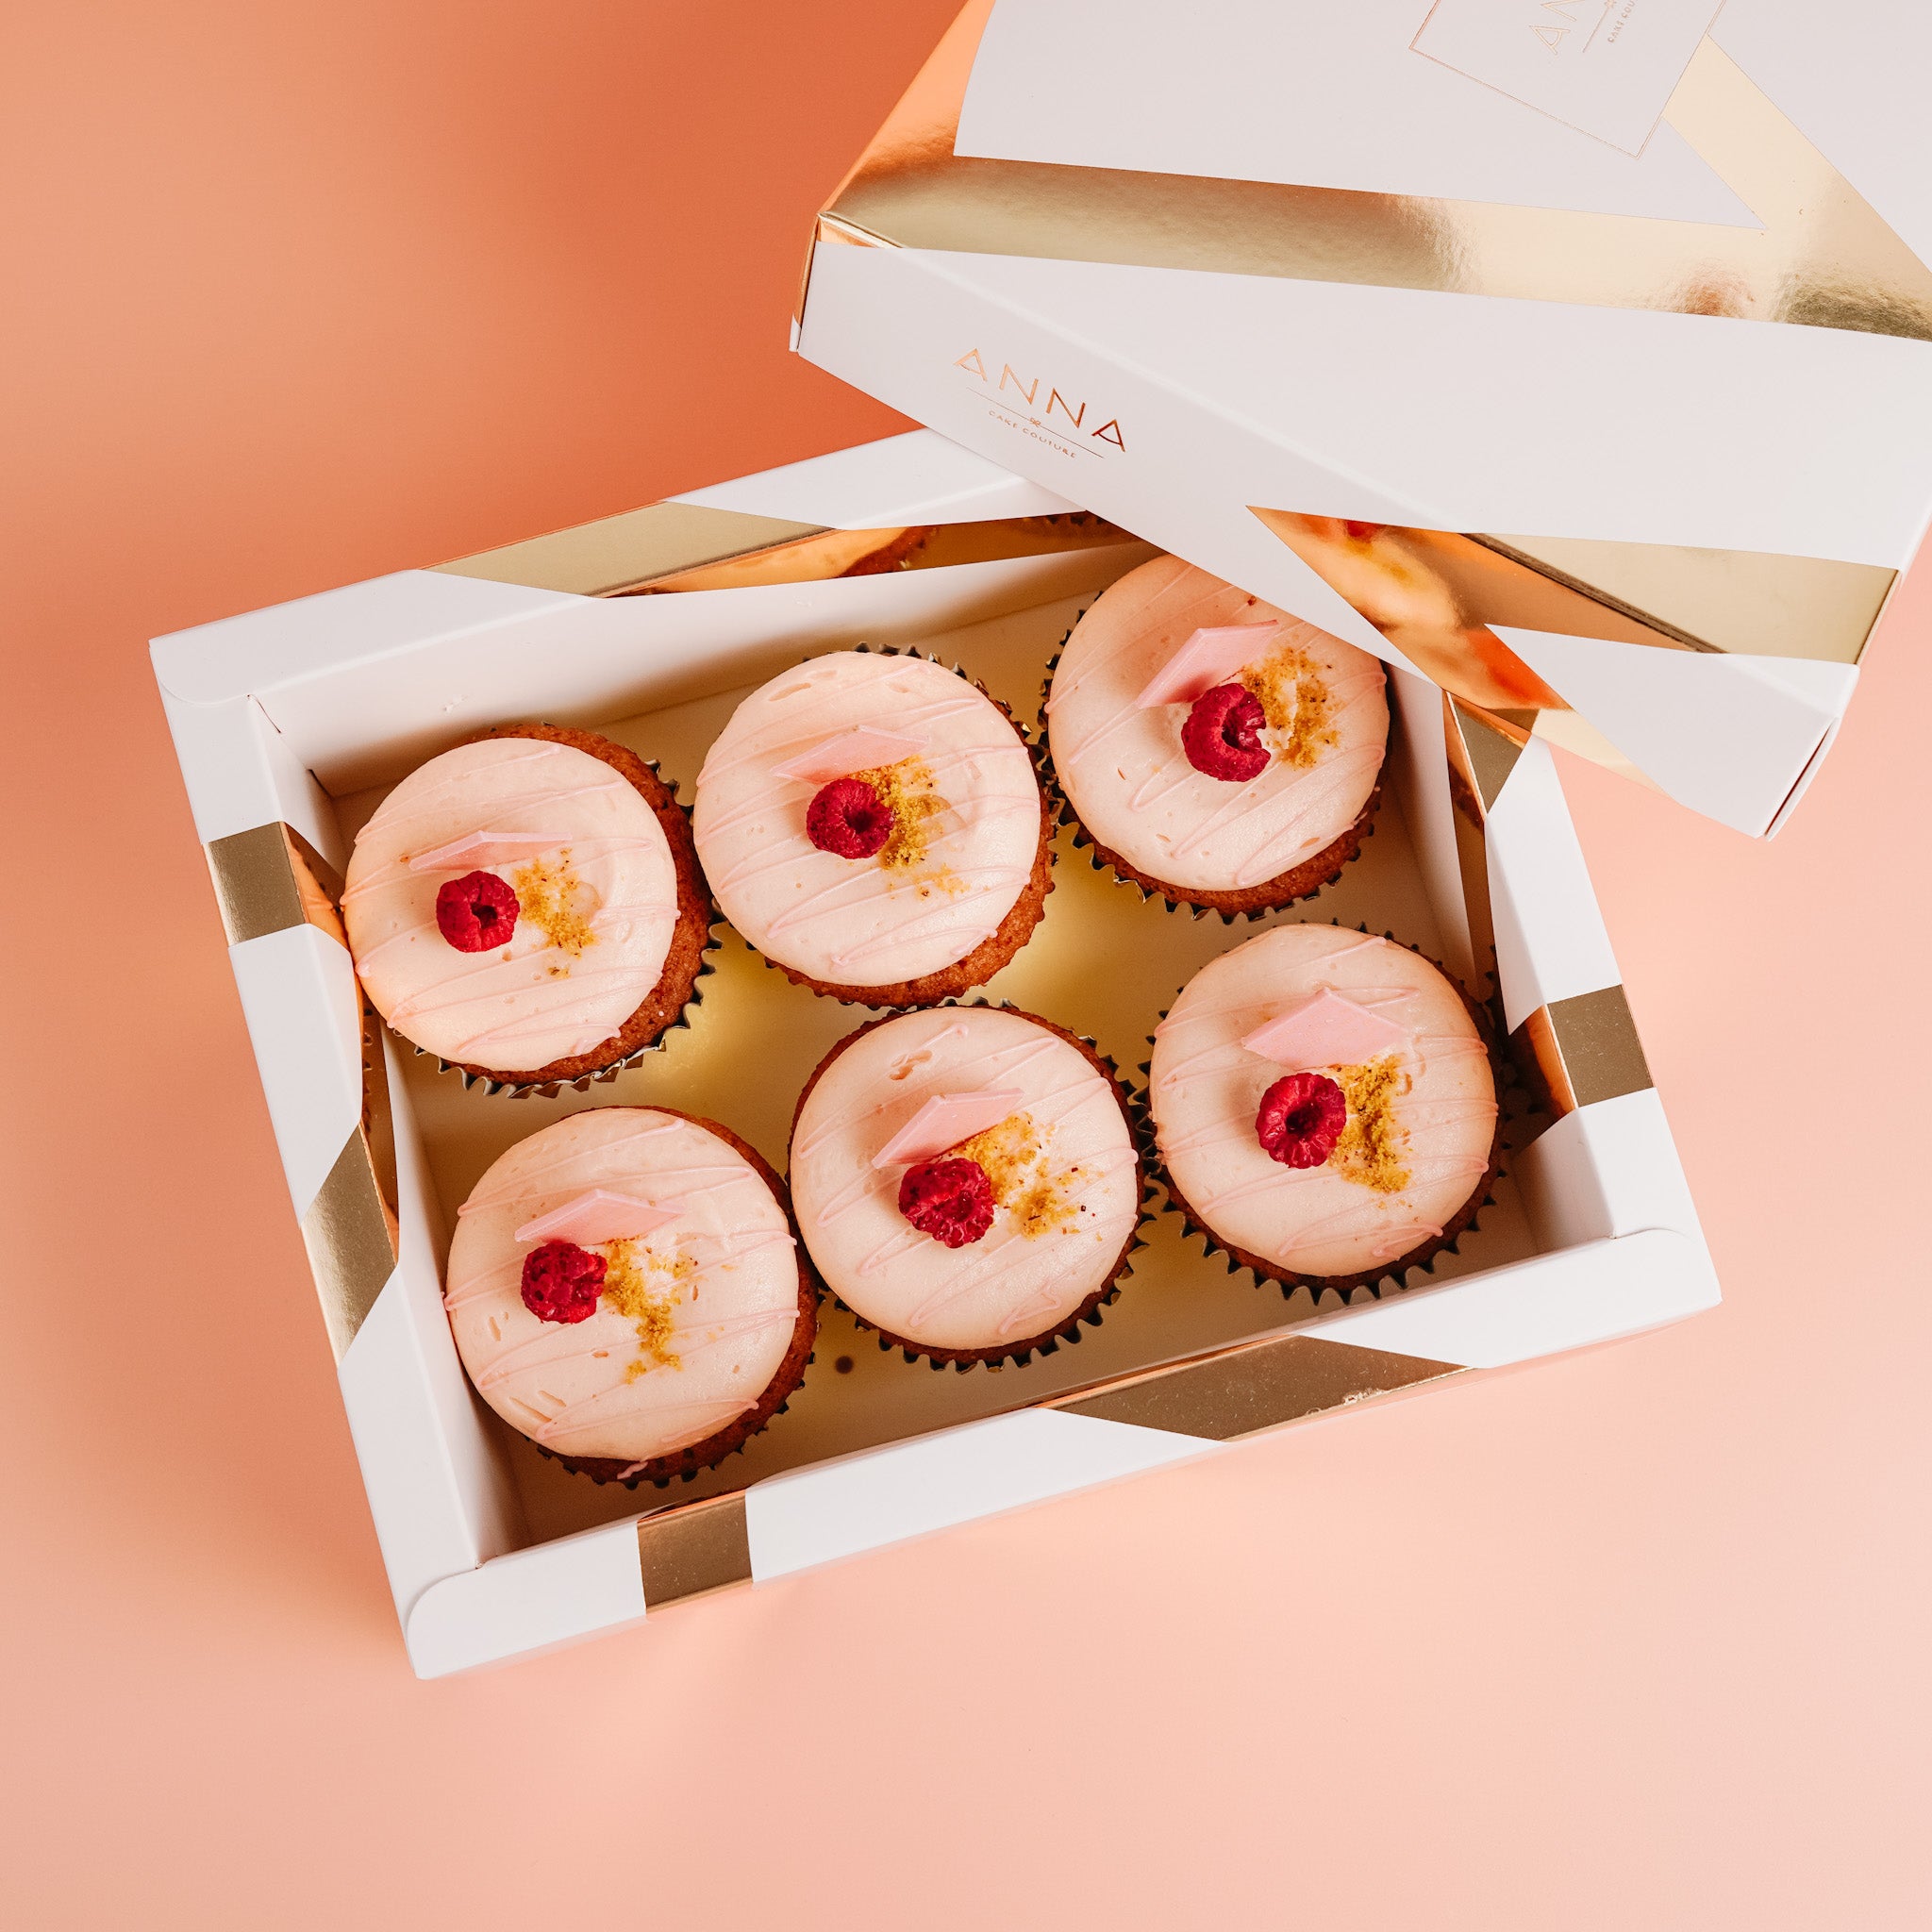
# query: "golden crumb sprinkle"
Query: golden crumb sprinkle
{"points": [[547, 897], [645, 1287], [1295, 697], [1012, 1155], [1371, 1148], [906, 790]]}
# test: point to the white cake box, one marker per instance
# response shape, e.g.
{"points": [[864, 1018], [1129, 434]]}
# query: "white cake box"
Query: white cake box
{"points": [[292, 722], [1578, 353]]}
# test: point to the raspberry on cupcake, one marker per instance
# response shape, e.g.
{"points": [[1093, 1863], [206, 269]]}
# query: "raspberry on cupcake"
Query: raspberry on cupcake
{"points": [[872, 824], [625, 1289], [1215, 750], [529, 907], [1324, 1107], [966, 1180]]}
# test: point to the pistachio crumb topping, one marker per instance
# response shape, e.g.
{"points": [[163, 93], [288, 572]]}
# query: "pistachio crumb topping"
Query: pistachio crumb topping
{"points": [[645, 1287], [548, 895], [1370, 1149]]}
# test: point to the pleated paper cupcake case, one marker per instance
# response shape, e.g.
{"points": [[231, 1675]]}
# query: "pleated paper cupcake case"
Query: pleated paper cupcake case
{"points": [[688, 1464]]}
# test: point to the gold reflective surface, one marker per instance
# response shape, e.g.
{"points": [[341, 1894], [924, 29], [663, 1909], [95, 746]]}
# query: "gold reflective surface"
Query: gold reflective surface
{"points": [[350, 1232], [691, 1551], [1824, 257], [1243, 1390], [617, 554], [1576, 1052], [270, 878]]}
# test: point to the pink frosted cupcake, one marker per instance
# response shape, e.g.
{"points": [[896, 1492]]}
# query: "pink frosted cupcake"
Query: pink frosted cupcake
{"points": [[1215, 750], [529, 907], [626, 1289], [967, 1181], [871, 822], [1324, 1107]]}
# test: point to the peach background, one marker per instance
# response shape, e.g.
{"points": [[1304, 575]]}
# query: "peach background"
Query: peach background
{"points": [[301, 294]]}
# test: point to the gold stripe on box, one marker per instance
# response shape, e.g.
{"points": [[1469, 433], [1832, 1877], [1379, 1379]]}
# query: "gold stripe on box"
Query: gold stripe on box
{"points": [[1576, 1052], [350, 1232], [1258, 1386], [620, 552], [641, 552], [1823, 258], [1436, 594], [694, 1550], [1483, 750], [270, 878]]}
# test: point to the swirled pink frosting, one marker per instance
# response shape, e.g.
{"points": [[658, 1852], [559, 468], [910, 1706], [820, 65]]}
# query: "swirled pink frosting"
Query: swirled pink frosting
{"points": [[862, 921], [534, 1001], [1126, 774], [1073, 1208], [1205, 1087], [720, 1277]]}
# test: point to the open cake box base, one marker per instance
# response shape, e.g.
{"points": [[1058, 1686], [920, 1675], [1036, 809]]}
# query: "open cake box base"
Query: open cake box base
{"points": [[292, 723]]}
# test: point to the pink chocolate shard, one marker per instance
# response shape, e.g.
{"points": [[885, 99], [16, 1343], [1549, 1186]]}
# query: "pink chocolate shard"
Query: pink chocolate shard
{"points": [[943, 1122], [600, 1216], [1208, 658], [859, 750], [1324, 1030], [483, 849]]}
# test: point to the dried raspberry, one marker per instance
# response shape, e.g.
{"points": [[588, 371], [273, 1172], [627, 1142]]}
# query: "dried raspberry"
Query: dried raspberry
{"points": [[1223, 735], [848, 817], [562, 1281], [476, 913], [950, 1199], [1300, 1119]]}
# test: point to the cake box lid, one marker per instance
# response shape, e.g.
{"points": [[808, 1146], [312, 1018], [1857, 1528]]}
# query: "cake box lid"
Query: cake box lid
{"points": [[1578, 353]]}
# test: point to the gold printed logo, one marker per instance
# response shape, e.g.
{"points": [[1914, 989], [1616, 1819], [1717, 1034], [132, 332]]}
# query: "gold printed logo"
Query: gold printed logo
{"points": [[1553, 36], [1060, 422]]}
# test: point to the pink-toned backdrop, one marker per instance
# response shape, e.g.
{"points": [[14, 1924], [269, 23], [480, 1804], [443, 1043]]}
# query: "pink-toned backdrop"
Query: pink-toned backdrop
{"points": [[296, 295]]}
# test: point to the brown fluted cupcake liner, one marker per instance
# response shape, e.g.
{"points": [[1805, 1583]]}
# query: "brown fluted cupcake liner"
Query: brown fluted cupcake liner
{"points": [[1391, 1275], [1090, 1311], [686, 1464], [1299, 882]]}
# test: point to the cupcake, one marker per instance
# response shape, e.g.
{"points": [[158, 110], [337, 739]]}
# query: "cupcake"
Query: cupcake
{"points": [[1215, 750], [1324, 1107], [529, 907], [626, 1289], [966, 1182], [872, 824]]}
